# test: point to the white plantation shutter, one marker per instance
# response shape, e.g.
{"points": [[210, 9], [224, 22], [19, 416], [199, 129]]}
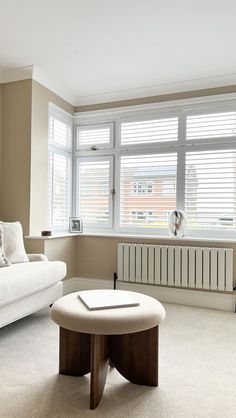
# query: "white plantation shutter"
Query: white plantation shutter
{"points": [[94, 190], [212, 125], [147, 189], [60, 131], [149, 131], [210, 189], [60, 168], [95, 136], [60, 189]]}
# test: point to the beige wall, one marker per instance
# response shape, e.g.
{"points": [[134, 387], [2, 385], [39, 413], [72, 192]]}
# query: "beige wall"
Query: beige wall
{"points": [[96, 257], [16, 139], [41, 97], [62, 249]]}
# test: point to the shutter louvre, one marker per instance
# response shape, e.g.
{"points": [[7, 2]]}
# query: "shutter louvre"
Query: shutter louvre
{"points": [[94, 191], [212, 125], [98, 136], [149, 131], [210, 189], [60, 168], [59, 188]]}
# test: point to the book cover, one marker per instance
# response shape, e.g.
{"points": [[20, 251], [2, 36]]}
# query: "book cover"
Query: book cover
{"points": [[106, 299]]}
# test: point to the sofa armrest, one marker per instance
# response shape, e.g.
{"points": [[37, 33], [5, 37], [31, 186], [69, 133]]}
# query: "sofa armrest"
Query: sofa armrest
{"points": [[37, 257]]}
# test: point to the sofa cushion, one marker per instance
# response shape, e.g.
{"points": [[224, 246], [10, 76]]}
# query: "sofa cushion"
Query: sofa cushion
{"points": [[20, 280], [4, 262], [13, 242]]}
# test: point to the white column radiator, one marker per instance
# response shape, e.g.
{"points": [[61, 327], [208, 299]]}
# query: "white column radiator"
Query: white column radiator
{"points": [[177, 266]]}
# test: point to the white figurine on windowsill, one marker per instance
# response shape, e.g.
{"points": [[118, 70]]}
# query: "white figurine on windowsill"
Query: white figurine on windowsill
{"points": [[177, 223]]}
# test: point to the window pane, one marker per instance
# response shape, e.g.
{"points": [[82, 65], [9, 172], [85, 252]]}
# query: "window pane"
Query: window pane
{"points": [[60, 167], [147, 189], [94, 191], [98, 136], [60, 132], [210, 189], [149, 131], [59, 189], [213, 125]]}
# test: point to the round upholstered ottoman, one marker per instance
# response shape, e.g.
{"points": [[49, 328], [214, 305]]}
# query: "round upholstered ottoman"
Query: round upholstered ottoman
{"points": [[127, 336]]}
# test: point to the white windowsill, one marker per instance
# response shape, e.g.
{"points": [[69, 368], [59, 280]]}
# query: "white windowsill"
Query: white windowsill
{"points": [[158, 238], [54, 236], [133, 236]]}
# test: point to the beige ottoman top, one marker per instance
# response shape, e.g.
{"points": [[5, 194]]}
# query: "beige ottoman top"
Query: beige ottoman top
{"points": [[69, 312]]}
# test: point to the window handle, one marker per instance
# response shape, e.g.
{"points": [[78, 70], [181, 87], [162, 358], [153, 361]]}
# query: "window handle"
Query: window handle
{"points": [[113, 192]]}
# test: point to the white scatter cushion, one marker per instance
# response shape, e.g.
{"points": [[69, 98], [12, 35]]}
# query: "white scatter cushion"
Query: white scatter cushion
{"points": [[4, 262], [13, 243]]}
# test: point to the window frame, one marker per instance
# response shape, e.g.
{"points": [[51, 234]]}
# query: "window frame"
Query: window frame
{"points": [[139, 152], [110, 145], [207, 233], [181, 109], [143, 118], [62, 115], [90, 158]]}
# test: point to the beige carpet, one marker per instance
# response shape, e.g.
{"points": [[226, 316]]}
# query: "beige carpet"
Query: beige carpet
{"points": [[197, 372]]}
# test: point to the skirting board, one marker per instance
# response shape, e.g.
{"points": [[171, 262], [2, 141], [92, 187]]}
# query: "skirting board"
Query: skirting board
{"points": [[219, 301]]}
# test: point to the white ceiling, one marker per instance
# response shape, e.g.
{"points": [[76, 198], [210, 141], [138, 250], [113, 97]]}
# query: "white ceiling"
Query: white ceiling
{"points": [[102, 50]]}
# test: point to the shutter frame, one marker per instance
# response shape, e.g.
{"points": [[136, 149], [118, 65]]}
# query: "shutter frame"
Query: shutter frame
{"points": [[99, 136], [59, 163], [210, 189], [141, 204], [85, 185]]}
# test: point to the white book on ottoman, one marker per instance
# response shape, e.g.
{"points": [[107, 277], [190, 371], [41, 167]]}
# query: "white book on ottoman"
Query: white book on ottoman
{"points": [[106, 299]]}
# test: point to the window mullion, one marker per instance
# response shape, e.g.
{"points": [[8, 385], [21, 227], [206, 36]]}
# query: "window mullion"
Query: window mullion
{"points": [[116, 197], [180, 188], [73, 200]]}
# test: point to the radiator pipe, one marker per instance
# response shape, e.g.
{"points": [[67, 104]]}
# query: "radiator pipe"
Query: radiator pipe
{"points": [[115, 278]]}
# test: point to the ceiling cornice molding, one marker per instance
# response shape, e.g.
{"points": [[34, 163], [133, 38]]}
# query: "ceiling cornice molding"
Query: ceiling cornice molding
{"points": [[16, 74], [35, 73], [57, 87], [158, 90]]}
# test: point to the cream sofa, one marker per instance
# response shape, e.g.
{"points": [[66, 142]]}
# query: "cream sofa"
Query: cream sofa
{"points": [[28, 287], [27, 282]]}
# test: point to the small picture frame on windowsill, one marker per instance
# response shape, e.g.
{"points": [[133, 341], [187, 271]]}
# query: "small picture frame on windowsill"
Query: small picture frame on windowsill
{"points": [[75, 225]]}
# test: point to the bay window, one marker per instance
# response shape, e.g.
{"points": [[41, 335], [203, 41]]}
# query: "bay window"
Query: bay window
{"points": [[134, 166]]}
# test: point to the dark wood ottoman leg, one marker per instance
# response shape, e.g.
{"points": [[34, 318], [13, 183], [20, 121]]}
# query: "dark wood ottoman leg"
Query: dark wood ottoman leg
{"points": [[99, 367], [74, 353], [135, 356]]}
